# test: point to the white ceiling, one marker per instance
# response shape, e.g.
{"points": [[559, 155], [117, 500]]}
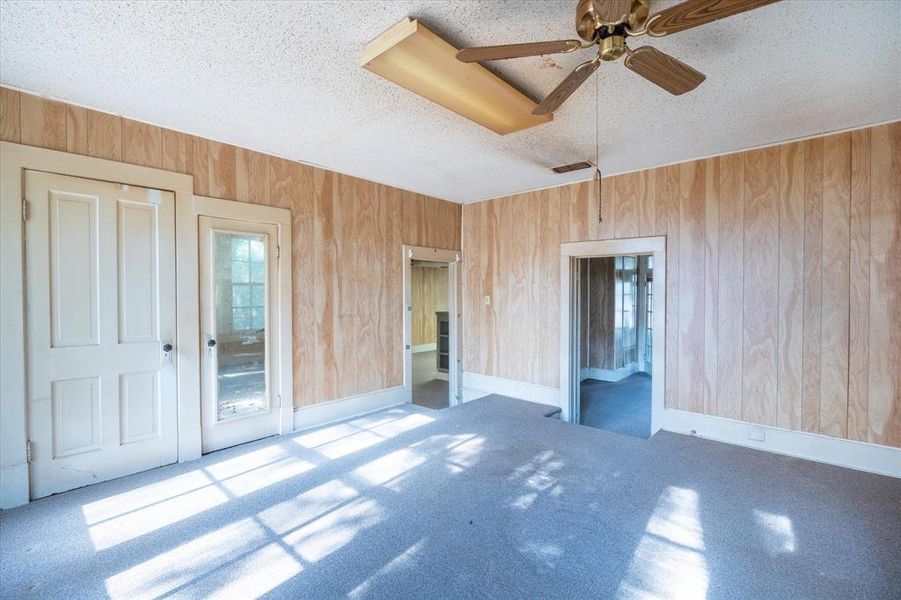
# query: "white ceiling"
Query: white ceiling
{"points": [[285, 78]]}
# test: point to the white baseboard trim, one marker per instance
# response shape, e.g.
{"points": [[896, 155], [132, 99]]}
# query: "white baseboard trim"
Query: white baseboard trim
{"points": [[476, 385], [425, 347], [874, 458], [607, 374], [345, 408]]}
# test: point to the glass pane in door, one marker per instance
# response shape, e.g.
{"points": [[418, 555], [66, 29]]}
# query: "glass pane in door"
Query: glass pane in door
{"points": [[240, 314]]}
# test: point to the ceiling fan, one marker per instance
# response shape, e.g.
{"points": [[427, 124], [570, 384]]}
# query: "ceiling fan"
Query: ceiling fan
{"points": [[607, 24]]}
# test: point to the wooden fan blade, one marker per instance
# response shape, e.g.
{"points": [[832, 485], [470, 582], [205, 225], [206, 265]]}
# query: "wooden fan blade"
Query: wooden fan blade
{"points": [[569, 85], [672, 75], [516, 50], [698, 12], [612, 11]]}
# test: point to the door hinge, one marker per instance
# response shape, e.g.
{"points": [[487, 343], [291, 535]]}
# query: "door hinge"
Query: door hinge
{"points": [[278, 252], [279, 400], [29, 452], [25, 214]]}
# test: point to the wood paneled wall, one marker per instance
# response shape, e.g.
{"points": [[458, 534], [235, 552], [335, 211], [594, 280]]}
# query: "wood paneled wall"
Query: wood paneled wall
{"points": [[783, 280], [429, 290], [600, 280], [347, 234]]}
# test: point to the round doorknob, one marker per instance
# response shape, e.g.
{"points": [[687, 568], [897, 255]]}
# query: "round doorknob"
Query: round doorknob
{"points": [[167, 347], [210, 343]]}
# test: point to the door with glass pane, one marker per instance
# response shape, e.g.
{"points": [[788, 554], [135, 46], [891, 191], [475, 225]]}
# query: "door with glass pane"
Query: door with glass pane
{"points": [[238, 302]]}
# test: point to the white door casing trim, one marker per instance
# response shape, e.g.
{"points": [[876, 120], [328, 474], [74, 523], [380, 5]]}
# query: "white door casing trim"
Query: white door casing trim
{"points": [[14, 159], [454, 308], [570, 374], [281, 218]]}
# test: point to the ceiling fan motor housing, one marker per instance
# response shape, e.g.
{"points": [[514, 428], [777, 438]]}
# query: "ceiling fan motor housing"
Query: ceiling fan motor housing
{"points": [[607, 24], [590, 24]]}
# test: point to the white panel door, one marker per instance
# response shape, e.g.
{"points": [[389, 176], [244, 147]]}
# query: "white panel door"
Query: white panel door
{"points": [[100, 289], [239, 312]]}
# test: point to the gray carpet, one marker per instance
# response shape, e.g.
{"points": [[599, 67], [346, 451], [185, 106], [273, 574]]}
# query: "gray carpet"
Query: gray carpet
{"points": [[432, 394], [485, 500], [622, 406]]}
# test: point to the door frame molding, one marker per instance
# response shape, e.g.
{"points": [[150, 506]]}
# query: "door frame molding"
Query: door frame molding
{"points": [[570, 253], [454, 308], [205, 206], [14, 159]]}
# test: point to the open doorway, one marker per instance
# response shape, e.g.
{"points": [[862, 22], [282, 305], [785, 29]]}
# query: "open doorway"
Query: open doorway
{"points": [[616, 345], [431, 334], [612, 332], [431, 327]]}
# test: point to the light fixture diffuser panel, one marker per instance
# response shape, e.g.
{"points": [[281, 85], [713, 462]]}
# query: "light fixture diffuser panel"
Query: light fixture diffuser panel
{"points": [[415, 58]]}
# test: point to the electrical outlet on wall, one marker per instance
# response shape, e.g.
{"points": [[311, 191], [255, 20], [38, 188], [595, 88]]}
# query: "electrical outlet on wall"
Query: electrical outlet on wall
{"points": [[487, 300]]}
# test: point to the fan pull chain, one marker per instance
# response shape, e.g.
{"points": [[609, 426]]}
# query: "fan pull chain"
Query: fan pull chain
{"points": [[597, 152]]}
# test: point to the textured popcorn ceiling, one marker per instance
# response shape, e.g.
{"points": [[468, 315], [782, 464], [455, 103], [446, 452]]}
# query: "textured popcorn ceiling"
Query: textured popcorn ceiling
{"points": [[285, 78]]}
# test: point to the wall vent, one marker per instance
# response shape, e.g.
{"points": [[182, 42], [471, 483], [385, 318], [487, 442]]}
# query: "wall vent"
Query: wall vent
{"points": [[578, 166]]}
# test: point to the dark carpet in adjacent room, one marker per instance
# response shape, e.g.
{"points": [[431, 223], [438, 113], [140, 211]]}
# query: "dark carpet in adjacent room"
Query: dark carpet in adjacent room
{"points": [[431, 394], [622, 406]]}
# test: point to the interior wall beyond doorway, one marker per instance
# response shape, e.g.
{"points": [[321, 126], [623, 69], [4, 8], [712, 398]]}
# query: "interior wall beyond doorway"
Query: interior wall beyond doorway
{"points": [[612, 328], [429, 289]]}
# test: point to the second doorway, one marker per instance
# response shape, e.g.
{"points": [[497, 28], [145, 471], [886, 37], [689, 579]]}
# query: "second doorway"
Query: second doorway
{"points": [[431, 327], [430, 320]]}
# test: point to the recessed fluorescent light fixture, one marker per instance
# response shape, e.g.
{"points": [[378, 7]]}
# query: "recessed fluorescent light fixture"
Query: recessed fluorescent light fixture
{"points": [[417, 59]]}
